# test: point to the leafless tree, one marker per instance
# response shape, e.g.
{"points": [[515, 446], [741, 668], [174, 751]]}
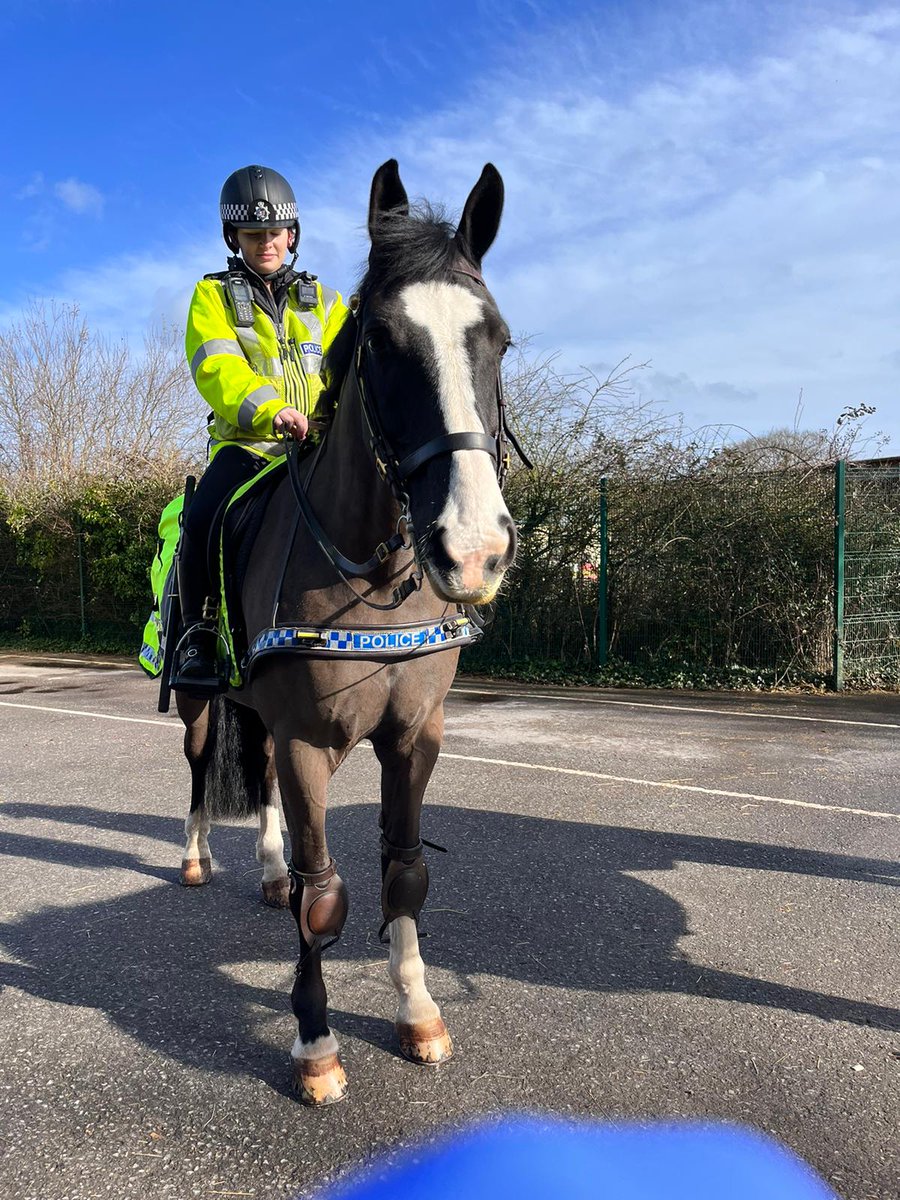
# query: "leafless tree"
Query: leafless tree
{"points": [[74, 403]]}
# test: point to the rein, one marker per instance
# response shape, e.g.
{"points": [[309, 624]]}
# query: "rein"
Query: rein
{"points": [[395, 472]]}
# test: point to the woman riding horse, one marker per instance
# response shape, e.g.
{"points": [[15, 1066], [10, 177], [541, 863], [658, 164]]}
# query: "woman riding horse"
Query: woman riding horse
{"points": [[416, 453], [256, 334]]}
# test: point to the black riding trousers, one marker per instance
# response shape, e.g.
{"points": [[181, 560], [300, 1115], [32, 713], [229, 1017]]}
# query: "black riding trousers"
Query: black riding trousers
{"points": [[231, 466]]}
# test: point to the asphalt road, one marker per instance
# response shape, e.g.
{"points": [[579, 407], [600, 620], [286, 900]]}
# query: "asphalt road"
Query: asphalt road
{"points": [[655, 905]]}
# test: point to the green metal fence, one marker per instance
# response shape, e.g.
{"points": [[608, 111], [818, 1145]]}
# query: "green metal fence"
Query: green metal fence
{"points": [[718, 574], [779, 576], [75, 575], [867, 626]]}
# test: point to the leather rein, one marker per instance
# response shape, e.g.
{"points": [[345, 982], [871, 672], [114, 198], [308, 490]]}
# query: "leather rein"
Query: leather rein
{"points": [[395, 472]]}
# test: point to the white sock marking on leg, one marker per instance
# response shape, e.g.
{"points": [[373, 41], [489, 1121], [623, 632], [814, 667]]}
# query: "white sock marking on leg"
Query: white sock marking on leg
{"points": [[270, 843], [318, 1048], [196, 831], [407, 971]]}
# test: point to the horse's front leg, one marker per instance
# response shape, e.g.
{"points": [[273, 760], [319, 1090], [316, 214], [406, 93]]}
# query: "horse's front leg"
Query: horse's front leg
{"points": [[270, 843], [405, 770], [318, 900]]}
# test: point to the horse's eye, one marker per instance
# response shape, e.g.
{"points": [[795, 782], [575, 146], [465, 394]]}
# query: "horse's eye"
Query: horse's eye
{"points": [[376, 341], [504, 348]]}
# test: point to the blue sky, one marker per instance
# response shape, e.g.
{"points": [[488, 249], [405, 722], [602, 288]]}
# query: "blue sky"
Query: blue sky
{"points": [[713, 187]]}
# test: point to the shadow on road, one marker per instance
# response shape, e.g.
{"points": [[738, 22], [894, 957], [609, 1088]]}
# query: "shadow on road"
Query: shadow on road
{"points": [[546, 902]]}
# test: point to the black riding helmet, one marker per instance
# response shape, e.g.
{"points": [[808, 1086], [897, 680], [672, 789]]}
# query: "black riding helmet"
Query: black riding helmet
{"points": [[257, 198]]}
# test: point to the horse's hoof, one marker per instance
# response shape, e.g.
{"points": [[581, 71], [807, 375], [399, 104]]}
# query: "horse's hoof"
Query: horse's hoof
{"points": [[428, 1043], [195, 872], [319, 1081], [276, 892]]}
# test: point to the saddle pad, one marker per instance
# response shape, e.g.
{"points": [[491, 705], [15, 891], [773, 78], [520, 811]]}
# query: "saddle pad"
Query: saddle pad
{"points": [[241, 522]]}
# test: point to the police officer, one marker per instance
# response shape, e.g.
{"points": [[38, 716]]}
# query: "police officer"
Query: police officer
{"points": [[255, 338]]}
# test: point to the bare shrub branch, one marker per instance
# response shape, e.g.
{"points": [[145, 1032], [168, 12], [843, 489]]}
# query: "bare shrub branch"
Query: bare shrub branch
{"points": [[73, 403]]}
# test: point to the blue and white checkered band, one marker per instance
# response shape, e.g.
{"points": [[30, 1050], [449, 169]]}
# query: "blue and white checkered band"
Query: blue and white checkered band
{"points": [[402, 642]]}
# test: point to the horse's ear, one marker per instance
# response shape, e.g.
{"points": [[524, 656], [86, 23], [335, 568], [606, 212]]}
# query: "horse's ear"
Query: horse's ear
{"points": [[388, 193], [481, 216]]}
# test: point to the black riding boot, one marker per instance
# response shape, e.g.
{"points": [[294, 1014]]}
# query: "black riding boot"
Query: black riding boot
{"points": [[201, 667], [201, 664]]}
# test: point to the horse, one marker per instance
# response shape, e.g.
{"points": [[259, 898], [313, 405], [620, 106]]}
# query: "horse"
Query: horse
{"points": [[412, 460]]}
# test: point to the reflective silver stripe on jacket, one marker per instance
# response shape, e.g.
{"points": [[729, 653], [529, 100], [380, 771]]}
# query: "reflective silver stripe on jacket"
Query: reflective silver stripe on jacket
{"points": [[329, 295], [214, 346], [313, 324], [263, 364], [252, 402]]}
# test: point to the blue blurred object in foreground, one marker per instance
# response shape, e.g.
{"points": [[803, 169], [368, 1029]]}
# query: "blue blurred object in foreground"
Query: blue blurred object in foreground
{"points": [[533, 1158]]}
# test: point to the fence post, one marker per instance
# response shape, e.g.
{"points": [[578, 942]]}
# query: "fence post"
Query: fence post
{"points": [[840, 522], [602, 631], [78, 544]]}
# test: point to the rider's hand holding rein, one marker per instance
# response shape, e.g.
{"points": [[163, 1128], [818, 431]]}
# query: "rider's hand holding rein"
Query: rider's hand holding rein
{"points": [[291, 424]]}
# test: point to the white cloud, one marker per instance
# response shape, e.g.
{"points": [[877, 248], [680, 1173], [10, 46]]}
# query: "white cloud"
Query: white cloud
{"points": [[737, 226], [79, 197], [733, 219], [125, 294], [34, 187], [74, 194]]}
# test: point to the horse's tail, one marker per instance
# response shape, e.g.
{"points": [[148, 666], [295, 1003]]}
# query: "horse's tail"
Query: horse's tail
{"points": [[234, 784]]}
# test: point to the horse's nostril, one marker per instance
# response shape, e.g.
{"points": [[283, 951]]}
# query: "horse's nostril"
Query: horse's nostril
{"points": [[509, 525], [491, 564], [440, 555]]}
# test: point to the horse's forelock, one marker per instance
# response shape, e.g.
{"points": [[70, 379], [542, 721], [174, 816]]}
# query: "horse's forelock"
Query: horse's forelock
{"points": [[410, 248]]}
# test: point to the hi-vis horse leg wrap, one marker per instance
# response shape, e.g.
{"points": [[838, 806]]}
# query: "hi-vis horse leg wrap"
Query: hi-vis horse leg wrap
{"points": [[319, 902], [404, 882]]}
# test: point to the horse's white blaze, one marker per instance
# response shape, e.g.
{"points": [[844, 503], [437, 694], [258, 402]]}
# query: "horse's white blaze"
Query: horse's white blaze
{"points": [[407, 972], [196, 831], [474, 510], [270, 843], [310, 1051]]}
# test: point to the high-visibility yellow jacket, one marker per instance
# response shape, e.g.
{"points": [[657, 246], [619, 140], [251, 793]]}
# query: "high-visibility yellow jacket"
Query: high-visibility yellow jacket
{"points": [[249, 374]]}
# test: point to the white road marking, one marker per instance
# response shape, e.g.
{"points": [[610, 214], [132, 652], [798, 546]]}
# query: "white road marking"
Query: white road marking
{"points": [[40, 660], [675, 787], [81, 712], [526, 766], [689, 708]]}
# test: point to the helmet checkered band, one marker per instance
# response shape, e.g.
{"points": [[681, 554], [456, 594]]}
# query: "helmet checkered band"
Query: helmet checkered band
{"points": [[254, 212]]}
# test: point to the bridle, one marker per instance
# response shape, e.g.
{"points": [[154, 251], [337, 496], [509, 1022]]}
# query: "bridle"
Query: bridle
{"points": [[395, 472]]}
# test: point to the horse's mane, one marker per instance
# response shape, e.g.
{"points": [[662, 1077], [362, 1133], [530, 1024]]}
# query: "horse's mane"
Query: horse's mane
{"points": [[415, 247]]}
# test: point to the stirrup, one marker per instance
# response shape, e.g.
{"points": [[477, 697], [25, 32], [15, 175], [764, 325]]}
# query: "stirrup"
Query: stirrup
{"points": [[213, 674]]}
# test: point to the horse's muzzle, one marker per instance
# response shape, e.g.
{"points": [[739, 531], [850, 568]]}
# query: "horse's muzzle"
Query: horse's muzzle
{"points": [[467, 569]]}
